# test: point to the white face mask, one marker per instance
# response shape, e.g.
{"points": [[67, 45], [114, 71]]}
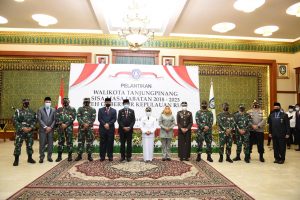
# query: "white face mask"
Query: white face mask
{"points": [[290, 110], [148, 114], [184, 108], [297, 108], [126, 106], [47, 105]]}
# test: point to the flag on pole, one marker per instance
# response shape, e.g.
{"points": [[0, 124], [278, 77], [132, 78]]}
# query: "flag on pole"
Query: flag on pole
{"points": [[212, 101], [61, 93]]}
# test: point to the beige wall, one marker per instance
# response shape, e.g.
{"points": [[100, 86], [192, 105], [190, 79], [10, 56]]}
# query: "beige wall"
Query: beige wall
{"points": [[282, 84]]}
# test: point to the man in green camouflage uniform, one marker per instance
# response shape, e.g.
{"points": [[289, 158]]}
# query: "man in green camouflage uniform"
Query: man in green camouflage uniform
{"points": [[204, 120], [86, 116], [24, 120], [226, 125], [65, 117], [243, 123]]}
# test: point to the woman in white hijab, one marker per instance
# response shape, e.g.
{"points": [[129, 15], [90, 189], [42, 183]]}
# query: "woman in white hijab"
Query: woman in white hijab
{"points": [[148, 127]]}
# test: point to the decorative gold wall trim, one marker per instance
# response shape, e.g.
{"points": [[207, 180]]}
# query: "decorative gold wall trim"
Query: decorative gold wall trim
{"points": [[82, 39]]}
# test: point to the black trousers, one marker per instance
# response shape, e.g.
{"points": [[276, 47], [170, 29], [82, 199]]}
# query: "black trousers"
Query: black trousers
{"points": [[257, 138], [279, 146], [106, 143], [292, 138], [126, 137], [184, 144]]}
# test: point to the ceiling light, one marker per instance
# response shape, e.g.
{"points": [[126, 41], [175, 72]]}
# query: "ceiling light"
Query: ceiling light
{"points": [[3, 20], [135, 29], [294, 9], [44, 20], [19, 1], [266, 30], [223, 27], [248, 5]]}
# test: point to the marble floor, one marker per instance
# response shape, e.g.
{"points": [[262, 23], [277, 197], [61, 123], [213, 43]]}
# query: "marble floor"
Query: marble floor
{"points": [[260, 180]]}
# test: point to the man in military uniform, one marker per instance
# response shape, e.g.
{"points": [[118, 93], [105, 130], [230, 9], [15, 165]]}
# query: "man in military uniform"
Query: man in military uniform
{"points": [[243, 123], [257, 129], [279, 130], [65, 117], [86, 116], [24, 120], [226, 125], [184, 122], [204, 120]]}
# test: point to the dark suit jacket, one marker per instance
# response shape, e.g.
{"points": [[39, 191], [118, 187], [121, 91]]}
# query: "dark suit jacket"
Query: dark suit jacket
{"points": [[297, 120], [44, 119], [124, 121], [110, 118], [279, 126]]}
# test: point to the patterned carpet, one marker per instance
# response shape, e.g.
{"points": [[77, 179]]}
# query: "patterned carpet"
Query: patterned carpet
{"points": [[132, 180]]}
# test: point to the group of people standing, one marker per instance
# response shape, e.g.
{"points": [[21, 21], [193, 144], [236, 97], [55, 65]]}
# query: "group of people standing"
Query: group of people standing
{"points": [[247, 127]]}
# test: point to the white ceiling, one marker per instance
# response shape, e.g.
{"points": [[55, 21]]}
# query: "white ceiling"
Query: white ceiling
{"points": [[169, 17]]}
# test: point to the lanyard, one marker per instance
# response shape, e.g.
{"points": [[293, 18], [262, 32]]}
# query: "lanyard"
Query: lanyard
{"points": [[277, 115]]}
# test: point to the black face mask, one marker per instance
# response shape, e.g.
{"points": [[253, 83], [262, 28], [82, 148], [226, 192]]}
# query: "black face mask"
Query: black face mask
{"points": [[255, 106], [66, 104], [86, 103], [226, 109], [204, 107], [277, 110], [25, 104], [242, 109], [107, 105]]}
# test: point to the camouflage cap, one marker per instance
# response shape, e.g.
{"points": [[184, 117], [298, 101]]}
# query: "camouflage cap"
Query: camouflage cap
{"points": [[242, 105], [66, 99], [225, 105], [203, 102], [184, 103], [87, 99], [255, 102]]}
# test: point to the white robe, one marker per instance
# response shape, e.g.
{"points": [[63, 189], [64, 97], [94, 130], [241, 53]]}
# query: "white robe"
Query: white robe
{"points": [[148, 124]]}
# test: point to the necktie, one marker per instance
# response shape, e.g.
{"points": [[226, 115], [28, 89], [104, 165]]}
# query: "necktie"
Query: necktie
{"points": [[126, 113], [48, 111], [107, 110]]}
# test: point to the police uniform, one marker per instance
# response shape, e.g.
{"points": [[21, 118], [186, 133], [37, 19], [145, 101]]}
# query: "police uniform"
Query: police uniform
{"points": [[226, 125], [86, 115], [24, 120], [243, 123], [204, 118], [65, 115], [184, 120]]}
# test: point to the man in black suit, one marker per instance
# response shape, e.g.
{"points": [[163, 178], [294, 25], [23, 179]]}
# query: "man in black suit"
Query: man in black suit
{"points": [[297, 127], [279, 130], [126, 120], [107, 117]]}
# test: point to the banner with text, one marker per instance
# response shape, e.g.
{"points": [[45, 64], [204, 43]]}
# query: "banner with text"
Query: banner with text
{"points": [[144, 85]]}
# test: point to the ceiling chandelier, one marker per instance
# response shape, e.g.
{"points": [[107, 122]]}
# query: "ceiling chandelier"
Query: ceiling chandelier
{"points": [[135, 29]]}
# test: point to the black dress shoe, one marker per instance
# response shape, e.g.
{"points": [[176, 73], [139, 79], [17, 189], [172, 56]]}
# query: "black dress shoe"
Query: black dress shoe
{"points": [[164, 159], [186, 159], [110, 159], [297, 149], [280, 161], [276, 161], [50, 160], [41, 160], [168, 159], [102, 159], [122, 159], [128, 159]]}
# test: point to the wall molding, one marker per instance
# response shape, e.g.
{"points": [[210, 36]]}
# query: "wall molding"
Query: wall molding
{"points": [[286, 92], [92, 39]]}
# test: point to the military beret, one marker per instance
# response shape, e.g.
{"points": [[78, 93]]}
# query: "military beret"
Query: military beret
{"points": [[148, 109], [225, 104], [107, 99], [65, 98], [125, 101], [47, 99], [184, 103], [25, 100], [255, 102], [277, 104], [87, 99]]}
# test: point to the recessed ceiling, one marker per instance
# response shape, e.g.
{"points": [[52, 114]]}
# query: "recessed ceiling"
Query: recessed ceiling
{"points": [[167, 17]]}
